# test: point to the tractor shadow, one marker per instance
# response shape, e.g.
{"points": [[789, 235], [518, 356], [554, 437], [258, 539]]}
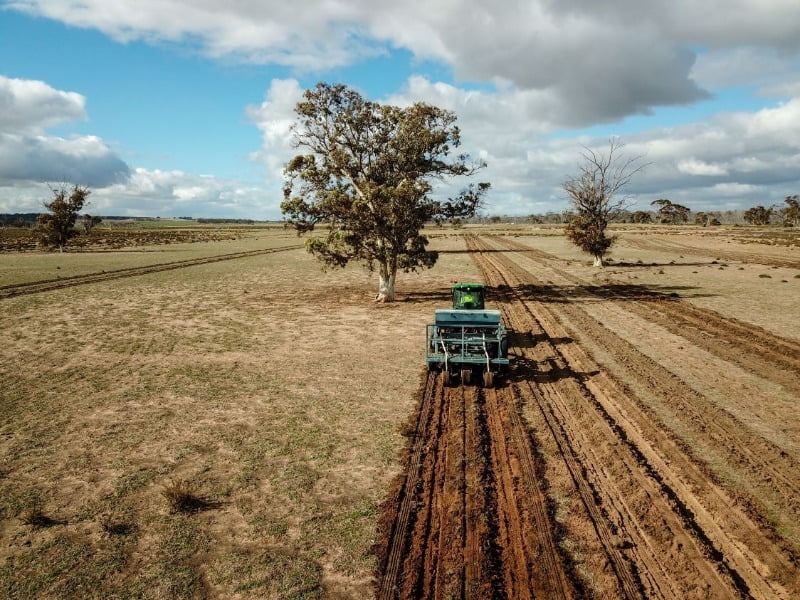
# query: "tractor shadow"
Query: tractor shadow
{"points": [[546, 370]]}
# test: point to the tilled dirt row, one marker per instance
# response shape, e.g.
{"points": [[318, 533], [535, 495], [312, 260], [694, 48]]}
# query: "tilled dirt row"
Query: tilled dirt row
{"points": [[753, 433], [733, 524], [564, 483], [753, 257], [469, 519]]}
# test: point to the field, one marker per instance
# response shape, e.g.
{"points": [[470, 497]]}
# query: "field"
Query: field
{"points": [[222, 419]]}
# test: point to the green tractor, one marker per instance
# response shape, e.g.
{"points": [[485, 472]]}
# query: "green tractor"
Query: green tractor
{"points": [[467, 341]]}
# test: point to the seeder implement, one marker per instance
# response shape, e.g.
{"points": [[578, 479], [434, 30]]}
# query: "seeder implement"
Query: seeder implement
{"points": [[467, 340]]}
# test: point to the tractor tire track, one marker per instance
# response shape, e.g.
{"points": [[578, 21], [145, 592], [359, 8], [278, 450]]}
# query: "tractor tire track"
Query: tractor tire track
{"points": [[672, 246], [48, 285], [468, 518], [736, 537], [746, 345], [619, 489]]}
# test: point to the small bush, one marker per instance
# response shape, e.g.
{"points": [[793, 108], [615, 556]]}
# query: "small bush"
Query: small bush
{"points": [[765, 276]]}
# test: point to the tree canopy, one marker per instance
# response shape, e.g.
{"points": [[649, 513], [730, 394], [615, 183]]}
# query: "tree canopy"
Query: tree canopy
{"points": [[669, 212], [367, 177], [56, 227], [594, 195], [758, 215]]}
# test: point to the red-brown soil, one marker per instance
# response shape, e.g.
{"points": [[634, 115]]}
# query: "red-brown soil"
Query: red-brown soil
{"points": [[604, 465]]}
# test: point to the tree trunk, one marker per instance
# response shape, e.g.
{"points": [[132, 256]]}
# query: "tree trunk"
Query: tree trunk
{"points": [[598, 261], [386, 284]]}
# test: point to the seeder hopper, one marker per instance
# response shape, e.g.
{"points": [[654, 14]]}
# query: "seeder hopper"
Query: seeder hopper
{"points": [[467, 341]]}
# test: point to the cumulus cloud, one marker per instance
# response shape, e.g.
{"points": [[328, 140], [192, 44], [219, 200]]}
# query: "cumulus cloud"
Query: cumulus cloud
{"points": [[32, 106], [176, 193], [275, 117], [27, 108], [593, 61], [703, 165], [158, 193], [84, 160]]}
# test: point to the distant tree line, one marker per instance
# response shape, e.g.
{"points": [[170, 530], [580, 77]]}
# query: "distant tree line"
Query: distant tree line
{"points": [[667, 212], [228, 221]]}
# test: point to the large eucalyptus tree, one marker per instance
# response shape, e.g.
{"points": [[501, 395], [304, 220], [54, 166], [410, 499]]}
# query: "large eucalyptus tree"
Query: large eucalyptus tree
{"points": [[366, 179]]}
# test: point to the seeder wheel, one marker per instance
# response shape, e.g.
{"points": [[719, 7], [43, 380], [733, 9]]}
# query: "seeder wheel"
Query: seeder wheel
{"points": [[445, 375], [488, 379], [466, 376]]}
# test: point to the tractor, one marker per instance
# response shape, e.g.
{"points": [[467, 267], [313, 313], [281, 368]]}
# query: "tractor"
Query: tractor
{"points": [[467, 341]]}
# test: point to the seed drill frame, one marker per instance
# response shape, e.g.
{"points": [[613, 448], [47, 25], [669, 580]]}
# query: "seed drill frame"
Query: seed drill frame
{"points": [[467, 339]]}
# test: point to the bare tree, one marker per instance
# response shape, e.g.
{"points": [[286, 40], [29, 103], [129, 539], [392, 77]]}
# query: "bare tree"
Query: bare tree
{"points": [[594, 195]]}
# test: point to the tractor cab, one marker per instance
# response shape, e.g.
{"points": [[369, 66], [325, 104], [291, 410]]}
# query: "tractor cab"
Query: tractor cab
{"points": [[468, 296]]}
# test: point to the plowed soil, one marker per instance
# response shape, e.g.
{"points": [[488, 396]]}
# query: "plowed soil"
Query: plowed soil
{"points": [[641, 446]]}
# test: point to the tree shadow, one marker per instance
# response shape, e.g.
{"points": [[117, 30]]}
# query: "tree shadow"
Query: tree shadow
{"points": [[560, 294], [672, 263], [519, 339], [482, 251], [443, 296]]}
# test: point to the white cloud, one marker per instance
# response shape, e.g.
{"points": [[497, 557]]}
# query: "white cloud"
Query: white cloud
{"points": [[592, 62], [275, 117], [176, 193], [692, 166], [28, 106], [158, 193], [703, 165], [83, 160]]}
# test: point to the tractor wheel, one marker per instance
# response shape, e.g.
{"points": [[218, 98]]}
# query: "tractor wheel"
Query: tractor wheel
{"points": [[466, 376], [488, 379]]}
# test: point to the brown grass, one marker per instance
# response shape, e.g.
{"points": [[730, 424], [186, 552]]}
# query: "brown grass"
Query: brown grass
{"points": [[263, 382]]}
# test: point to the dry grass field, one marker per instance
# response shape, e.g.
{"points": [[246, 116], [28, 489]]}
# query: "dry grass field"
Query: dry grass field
{"points": [[234, 429]]}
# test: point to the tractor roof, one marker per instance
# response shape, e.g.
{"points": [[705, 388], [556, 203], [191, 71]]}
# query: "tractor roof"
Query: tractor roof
{"points": [[468, 286]]}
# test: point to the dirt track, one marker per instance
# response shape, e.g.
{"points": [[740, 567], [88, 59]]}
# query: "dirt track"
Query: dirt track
{"points": [[607, 465], [35, 287]]}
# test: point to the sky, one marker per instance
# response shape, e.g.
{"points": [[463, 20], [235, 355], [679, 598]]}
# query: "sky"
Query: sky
{"points": [[184, 107]]}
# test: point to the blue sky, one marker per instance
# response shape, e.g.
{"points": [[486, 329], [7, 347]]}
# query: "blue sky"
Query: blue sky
{"points": [[169, 108]]}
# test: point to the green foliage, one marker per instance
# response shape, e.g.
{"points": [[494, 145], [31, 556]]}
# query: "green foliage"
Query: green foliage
{"points": [[589, 236], [671, 213], [791, 213], [56, 227], [641, 216], [758, 215], [89, 223], [367, 177]]}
